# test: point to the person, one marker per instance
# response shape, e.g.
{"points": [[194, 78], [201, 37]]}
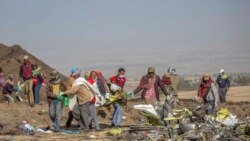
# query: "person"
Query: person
{"points": [[26, 75], [87, 75], [79, 103], [149, 84], [166, 79], [70, 81], [223, 84], [38, 81], [93, 115], [167, 82], [118, 79], [102, 84], [2, 79], [9, 88], [175, 84], [168, 85], [55, 104], [208, 93]]}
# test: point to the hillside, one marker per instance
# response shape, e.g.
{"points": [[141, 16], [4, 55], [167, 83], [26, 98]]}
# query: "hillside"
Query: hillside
{"points": [[12, 57]]}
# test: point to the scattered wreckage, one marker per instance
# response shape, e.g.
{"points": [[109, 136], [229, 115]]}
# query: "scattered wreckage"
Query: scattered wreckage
{"points": [[188, 124]]}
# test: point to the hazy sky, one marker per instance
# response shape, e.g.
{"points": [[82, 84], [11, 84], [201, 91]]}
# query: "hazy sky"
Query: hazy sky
{"points": [[192, 35]]}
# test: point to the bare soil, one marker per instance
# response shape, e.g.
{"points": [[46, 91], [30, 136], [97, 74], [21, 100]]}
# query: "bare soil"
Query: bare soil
{"points": [[12, 115]]}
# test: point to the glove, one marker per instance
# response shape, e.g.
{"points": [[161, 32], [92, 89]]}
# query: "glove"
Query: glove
{"points": [[156, 106], [17, 89], [61, 93], [132, 95], [107, 95], [128, 94], [198, 99], [168, 97], [21, 80], [100, 98]]}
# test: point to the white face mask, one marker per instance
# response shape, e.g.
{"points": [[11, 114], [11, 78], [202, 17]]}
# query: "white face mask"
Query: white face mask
{"points": [[121, 76]]}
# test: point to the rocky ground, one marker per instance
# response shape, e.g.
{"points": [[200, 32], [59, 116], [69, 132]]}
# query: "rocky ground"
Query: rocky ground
{"points": [[11, 117]]}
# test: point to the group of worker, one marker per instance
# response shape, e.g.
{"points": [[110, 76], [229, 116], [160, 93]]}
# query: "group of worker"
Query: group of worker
{"points": [[88, 91]]}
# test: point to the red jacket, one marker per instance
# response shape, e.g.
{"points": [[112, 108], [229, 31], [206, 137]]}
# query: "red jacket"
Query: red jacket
{"points": [[118, 81], [166, 80], [92, 81], [26, 71]]}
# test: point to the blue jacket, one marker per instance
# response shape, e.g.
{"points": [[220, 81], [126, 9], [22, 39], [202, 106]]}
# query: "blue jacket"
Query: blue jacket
{"points": [[223, 81]]}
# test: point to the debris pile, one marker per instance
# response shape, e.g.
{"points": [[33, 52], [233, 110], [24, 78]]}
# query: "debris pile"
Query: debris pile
{"points": [[187, 124]]}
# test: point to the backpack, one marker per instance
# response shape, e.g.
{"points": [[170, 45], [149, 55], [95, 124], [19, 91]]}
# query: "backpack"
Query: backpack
{"points": [[222, 82]]}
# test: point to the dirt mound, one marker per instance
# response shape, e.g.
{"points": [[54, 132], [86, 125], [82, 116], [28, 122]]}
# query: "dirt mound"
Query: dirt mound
{"points": [[12, 57]]}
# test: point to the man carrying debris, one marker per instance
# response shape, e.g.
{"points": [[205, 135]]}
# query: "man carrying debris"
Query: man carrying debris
{"points": [[26, 75], [81, 92], [149, 84], [119, 80], [208, 92], [224, 84], [55, 104]]}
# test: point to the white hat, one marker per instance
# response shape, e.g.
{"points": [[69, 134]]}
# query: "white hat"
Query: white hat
{"points": [[222, 70], [26, 57], [172, 70]]}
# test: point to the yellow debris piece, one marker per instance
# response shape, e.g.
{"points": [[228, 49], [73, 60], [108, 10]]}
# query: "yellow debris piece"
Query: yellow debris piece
{"points": [[114, 131], [223, 113]]}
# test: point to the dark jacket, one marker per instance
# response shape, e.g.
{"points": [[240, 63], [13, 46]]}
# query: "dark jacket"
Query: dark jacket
{"points": [[158, 83], [101, 86], [8, 87], [223, 81], [50, 95]]}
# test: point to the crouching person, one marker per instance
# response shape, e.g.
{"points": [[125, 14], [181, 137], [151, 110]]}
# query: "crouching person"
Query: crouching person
{"points": [[208, 92], [80, 100], [55, 104], [8, 89]]}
